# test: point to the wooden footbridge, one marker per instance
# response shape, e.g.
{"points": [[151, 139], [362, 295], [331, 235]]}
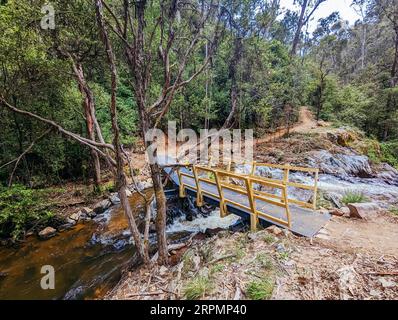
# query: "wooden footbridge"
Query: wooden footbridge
{"points": [[263, 200]]}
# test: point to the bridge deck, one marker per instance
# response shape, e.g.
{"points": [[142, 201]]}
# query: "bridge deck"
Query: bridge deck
{"points": [[304, 221]]}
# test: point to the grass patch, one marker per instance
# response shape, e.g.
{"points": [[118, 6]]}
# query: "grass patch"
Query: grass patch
{"points": [[188, 261], [394, 211], [269, 238], [217, 268], [265, 261], [197, 288], [260, 290], [284, 255], [354, 197]]}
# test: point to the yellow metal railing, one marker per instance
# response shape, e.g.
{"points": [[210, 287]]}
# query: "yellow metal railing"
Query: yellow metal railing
{"points": [[250, 196], [287, 169]]}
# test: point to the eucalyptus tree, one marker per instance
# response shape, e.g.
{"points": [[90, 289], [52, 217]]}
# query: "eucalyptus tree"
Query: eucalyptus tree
{"points": [[307, 10], [164, 36]]}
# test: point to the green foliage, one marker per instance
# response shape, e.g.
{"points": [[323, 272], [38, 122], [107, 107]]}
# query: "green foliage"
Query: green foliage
{"points": [[217, 268], [353, 197], [20, 208], [394, 211], [269, 238], [260, 289], [389, 151], [265, 261], [197, 288]]}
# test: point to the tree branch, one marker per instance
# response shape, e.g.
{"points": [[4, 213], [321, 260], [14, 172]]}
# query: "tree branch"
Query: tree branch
{"points": [[92, 144]]}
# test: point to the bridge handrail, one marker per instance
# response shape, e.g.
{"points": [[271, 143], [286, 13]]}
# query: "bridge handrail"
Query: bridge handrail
{"points": [[286, 181], [248, 191]]}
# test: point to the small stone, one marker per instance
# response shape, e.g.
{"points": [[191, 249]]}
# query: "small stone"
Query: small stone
{"points": [[163, 270], [128, 193], [254, 236], [71, 221], [286, 232], [280, 248], [275, 230], [47, 233], [322, 236], [75, 216], [386, 283], [86, 210], [114, 198], [65, 227], [289, 263], [346, 211], [337, 212], [89, 212], [196, 262], [323, 231], [374, 293], [333, 198], [173, 252]]}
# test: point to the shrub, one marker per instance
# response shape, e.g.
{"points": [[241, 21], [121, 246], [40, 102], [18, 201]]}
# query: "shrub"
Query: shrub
{"points": [[260, 290], [394, 211], [389, 152], [20, 209], [353, 197]]}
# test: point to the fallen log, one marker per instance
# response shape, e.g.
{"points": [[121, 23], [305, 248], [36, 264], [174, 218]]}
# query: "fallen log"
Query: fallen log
{"points": [[172, 247]]}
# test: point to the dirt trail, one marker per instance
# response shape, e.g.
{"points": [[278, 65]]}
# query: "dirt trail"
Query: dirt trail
{"points": [[305, 124]]}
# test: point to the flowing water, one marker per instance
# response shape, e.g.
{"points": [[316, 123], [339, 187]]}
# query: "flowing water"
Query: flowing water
{"points": [[88, 260], [340, 173]]}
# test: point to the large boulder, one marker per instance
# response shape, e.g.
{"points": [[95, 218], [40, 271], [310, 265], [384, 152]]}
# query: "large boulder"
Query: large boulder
{"points": [[333, 198], [388, 174], [47, 233], [102, 206], [363, 210]]}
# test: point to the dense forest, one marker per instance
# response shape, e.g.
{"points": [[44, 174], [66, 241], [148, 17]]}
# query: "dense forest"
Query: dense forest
{"points": [[75, 96]]}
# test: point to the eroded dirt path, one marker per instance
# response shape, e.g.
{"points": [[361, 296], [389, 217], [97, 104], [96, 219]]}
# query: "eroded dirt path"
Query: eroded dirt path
{"points": [[305, 124]]}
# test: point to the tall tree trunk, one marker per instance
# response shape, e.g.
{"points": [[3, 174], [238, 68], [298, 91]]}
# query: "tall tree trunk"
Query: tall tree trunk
{"points": [[363, 44], [136, 62], [394, 69], [121, 178], [234, 92], [88, 107], [300, 24]]}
